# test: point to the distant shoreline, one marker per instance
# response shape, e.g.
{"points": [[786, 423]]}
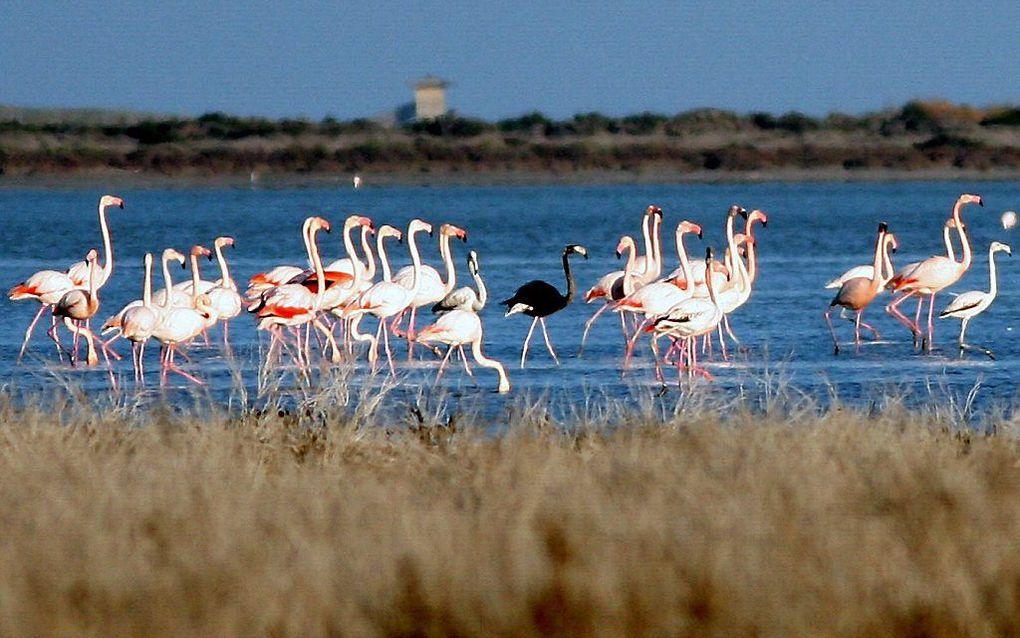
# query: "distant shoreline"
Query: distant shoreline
{"points": [[125, 179]]}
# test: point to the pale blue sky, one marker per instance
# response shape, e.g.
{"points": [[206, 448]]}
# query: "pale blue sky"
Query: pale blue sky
{"points": [[354, 59]]}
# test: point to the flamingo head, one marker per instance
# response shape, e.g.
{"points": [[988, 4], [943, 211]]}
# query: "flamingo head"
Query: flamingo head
{"points": [[147, 260], [203, 304], [738, 210], [998, 245], [92, 256], [757, 215], [319, 223], [892, 241], [654, 210], [625, 242], [389, 231], [223, 241], [883, 227], [708, 258], [689, 227], [453, 231], [111, 200], [970, 198], [575, 248], [417, 225], [201, 251], [172, 255], [472, 262]]}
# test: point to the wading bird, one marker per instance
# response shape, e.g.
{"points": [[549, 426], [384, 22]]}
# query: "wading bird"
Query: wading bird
{"points": [[539, 299], [974, 302], [465, 298], [932, 275], [456, 329], [855, 294]]}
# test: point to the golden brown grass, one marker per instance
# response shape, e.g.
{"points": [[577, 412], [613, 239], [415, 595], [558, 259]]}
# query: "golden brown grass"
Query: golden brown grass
{"points": [[838, 524]]}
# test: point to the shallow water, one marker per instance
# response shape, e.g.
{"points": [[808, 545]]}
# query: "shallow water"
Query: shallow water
{"points": [[815, 231]]}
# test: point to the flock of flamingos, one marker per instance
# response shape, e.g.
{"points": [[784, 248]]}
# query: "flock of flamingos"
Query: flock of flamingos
{"points": [[329, 301]]}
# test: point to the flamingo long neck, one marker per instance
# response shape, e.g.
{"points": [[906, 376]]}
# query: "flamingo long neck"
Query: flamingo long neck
{"points": [[366, 246], [107, 243], [570, 277], [887, 259], [169, 284], [93, 302], [752, 254], [194, 278], [305, 232], [451, 272], [993, 287], [876, 276], [685, 263], [476, 351], [656, 268], [709, 282], [383, 261], [412, 246], [483, 294], [320, 276], [949, 244], [965, 262], [628, 269], [732, 252], [225, 280], [349, 247], [147, 283], [649, 249]]}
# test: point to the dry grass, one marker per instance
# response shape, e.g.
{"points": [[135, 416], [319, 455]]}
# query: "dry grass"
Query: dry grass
{"points": [[839, 524]]}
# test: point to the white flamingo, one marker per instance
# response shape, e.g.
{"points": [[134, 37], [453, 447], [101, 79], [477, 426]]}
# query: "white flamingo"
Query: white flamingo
{"points": [[465, 298], [387, 299], [458, 328], [972, 303]]}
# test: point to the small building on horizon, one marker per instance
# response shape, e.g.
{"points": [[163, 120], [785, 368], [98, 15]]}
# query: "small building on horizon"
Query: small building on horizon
{"points": [[429, 103], [430, 97]]}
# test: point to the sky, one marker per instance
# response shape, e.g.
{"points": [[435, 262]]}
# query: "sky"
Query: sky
{"points": [[505, 58]]}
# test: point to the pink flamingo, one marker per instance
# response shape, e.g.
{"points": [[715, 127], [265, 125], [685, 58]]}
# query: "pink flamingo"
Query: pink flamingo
{"points": [[294, 305], [77, 307], [932, 275], [351, 334], [431, 287], [178, 325], [621, 283], [48, 286], [387, 299], [456, 329], [857, 293], [138, 322]]}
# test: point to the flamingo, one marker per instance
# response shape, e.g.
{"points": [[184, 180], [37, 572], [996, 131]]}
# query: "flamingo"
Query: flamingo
{"points": [[79, 272], [48, 286], [77, 307], [932, 275], [539, 299], [179, 324], [658, 297], [689, 320], [867, 271], [138, 322], [182, 296], [431, 288], [972, 303], [294, 305], [750, 273], [347, 264], [465, 298], [641, 270], [387, 299], [855, 294], [620, 283], [385, 231], [223, 296], [457, 328]]}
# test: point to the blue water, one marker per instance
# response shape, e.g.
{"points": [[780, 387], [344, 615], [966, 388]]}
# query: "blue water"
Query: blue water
{"points": [[815, 231]]}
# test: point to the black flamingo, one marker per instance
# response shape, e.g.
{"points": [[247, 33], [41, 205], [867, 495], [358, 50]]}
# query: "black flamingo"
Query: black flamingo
{"points": [[540, 299]]}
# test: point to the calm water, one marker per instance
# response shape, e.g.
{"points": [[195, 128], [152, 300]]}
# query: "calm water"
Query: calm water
{"points": [[815, 231]]}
